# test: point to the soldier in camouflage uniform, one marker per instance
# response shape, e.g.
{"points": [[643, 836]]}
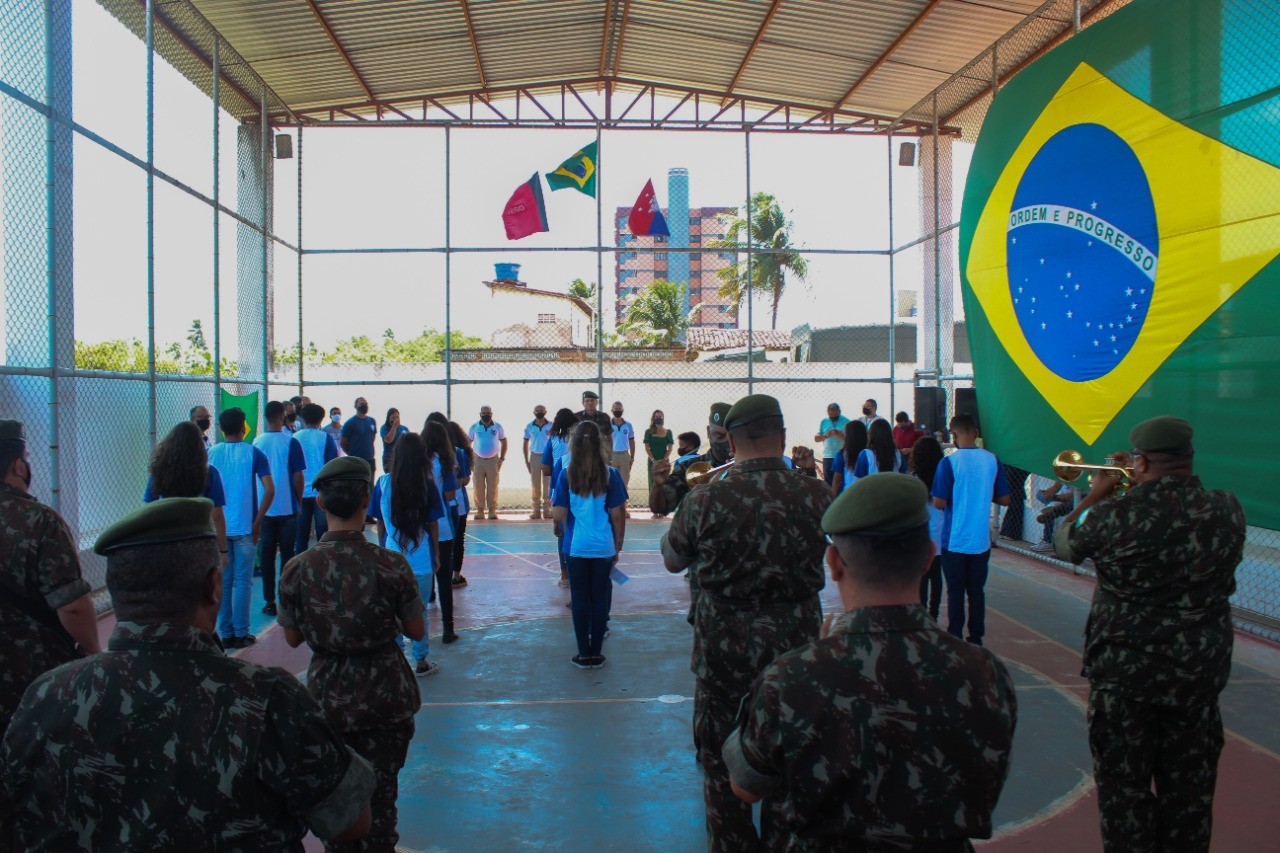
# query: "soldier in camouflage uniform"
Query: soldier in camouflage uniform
{"points": [[669, 484], [163, 742], [888, 733], [45, 609], [754, 543], [348, 599], [1158, 641]]}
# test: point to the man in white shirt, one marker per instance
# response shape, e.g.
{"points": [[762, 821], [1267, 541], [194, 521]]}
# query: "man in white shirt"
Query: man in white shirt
{"points": [[489, 444], [199, 416], [624, 442], [535, 441], [869, 413]]}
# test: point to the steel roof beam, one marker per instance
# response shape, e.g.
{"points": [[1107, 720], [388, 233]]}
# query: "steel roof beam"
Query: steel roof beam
{"points": [[342, 51], [889, 51], [755, 43], [475, 44], [186, 43]]}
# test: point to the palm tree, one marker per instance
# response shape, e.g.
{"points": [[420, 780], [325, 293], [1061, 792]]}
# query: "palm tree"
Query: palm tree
{"points": [[582, 290], [773, 256], [655, 316]]}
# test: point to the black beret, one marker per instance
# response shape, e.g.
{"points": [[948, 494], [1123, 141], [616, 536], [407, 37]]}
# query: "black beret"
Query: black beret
{"points": [[751, 408], [590, 395], [342, 468]]}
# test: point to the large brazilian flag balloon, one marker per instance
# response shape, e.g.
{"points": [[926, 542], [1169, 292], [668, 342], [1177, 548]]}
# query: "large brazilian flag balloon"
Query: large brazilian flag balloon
{"points": [[1119, 238]]}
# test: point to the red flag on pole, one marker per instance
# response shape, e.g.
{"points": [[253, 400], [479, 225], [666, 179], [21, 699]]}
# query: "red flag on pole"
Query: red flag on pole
{"points": [[525, 212], [646, 216]]}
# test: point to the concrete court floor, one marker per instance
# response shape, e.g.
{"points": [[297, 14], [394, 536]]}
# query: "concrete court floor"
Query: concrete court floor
{"points": [[517, 750]]}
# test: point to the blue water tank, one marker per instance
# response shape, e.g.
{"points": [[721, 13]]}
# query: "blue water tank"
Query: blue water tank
{"points": [[507, 272]]}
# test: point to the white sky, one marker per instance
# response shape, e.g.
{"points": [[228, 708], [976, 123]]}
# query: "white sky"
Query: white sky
{"points": [[384, 187]]}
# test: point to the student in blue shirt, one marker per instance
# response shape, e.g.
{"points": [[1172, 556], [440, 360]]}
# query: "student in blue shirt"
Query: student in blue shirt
{"points": [[687, 444], [590, 500], [241, 466], [390, 431], [926, 455], [358, 433], [318, 448], [846, 459], [552, 454], [180, 469], [279, 527], [881, 453], [462, 505], [409, 510], [444, 470], [966, 484]]}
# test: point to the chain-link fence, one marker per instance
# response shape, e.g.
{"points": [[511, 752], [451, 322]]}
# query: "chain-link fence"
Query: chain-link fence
{"points": [[170, 230]]}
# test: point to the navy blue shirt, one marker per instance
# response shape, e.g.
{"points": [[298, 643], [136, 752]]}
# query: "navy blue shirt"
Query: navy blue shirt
{"points": [[359, 433]]}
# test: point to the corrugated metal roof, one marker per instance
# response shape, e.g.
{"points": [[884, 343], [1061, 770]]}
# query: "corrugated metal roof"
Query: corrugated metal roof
{"points": [[321, 55]]}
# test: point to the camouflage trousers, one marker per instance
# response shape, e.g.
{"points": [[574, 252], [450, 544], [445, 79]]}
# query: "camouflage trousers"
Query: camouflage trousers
{"points": [[1137, 743], [385, 749], [729, 824]]}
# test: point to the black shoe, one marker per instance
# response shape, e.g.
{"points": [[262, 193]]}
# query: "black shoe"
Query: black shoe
{"points": [[269, 608], [458, 579], [597, 661], [241, 642], [581, 662], [449, 637]]}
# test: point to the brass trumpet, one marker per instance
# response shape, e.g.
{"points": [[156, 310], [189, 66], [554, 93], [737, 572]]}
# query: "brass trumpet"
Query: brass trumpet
{"points": [[701, 472], [1069, 465]]}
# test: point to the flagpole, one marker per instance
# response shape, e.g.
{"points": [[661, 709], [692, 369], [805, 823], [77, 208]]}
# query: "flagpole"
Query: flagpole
{"points": [[599, 271]]}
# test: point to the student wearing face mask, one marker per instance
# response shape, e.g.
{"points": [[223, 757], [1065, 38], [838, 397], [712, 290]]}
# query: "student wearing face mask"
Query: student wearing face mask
{"points": [[687, 445], [669, 483], [358, 433], [658, 441], [869, 415], [624, 442], [489, 444], [199, 416], [536, 435], [334, 428]]}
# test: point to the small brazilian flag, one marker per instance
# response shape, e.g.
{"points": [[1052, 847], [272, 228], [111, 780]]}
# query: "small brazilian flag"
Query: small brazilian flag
{"points": [[247, 403], [578, 172], [1118, 242]]}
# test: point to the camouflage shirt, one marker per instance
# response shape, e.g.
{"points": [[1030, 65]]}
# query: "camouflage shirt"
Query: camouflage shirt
{"points": [[753, 544], [676, 486], [889, 731], [349, 598], [38, 563], [163, 743], [1166, 552]]}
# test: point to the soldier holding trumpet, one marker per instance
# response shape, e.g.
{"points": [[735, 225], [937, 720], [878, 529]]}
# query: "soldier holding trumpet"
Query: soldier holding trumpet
{"points": [[1159, 637]]}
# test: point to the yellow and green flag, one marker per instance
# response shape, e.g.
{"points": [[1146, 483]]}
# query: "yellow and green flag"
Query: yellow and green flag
{"points": [[1119, 237], [247, 403], [578, 172]]}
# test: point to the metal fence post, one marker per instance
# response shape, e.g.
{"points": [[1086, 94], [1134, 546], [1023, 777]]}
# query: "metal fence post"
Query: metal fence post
{"points": [[751, 322], [50, 248], [599, 270], [937, 254], [266, 289], [151, 221], [302, 347], [893, 295], [448, 276], [217, 235]]}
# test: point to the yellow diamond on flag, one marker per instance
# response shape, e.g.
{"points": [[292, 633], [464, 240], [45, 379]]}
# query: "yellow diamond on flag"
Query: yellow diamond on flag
{"points": [[1112, 233]]}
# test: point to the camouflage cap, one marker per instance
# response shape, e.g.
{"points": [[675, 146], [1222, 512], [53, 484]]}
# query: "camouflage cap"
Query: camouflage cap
{"points": [[879, 505], [343, 468], [11, 430], [752, 408], [719, 411], [590, 395], [1165, 434], [167, 520]]}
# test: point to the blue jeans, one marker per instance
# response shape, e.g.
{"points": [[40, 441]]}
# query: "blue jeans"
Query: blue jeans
{"points": [[966, 576], [421, 648], [309, 515], [237, 587], [277, 534], [589, 593]]}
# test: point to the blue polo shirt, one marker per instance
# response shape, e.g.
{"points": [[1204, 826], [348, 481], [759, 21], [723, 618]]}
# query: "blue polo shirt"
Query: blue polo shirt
{"points": [[240, 465], [968, 480], [388, 449], [486, 441], [622, 436], [537, 437], [588, 531], [831, 446], [212, 489], [420, 557], [867, 463], [318, 448], [286, 458], [557, 447], [359, 433], [460, 501]]}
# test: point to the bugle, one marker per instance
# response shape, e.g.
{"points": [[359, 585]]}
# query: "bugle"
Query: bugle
{"points": [[701, 472], [1069, 466]]}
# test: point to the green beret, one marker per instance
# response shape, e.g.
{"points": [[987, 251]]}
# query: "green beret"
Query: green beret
{"points": [[1164, 434], [879, 505], [752, 408], [719, 411], [11, 431], [590, 395], [167, 520], [342, 468]]}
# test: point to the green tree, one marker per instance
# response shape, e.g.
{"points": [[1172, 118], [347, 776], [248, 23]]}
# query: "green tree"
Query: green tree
{"points": [[775, 258], [427, 346], [582, 289], [655, 316], [189, 357]]}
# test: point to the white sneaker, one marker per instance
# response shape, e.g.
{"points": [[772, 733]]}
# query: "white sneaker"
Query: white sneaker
{"points": [[1043, 547]]}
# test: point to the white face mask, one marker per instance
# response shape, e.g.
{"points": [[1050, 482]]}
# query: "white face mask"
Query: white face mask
{"points": [[337, 419]]}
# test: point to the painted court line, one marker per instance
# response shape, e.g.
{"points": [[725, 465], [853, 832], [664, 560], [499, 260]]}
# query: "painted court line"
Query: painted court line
{"points": [[512, 554], [665, 699]]}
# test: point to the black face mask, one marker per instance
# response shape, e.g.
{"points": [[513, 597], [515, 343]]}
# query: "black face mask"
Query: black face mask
{"points": [[617, 413], [363, 410], [486, 418], [204, 424], [684, 451], [541, 416], [291, 417], [657, 421], [720, 451], [866, 410]]}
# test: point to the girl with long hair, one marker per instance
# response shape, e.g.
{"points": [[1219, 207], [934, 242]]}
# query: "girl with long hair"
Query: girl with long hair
{"points": [[444, 468], [553, 459], [658, 441], [881, 453], [409, 510], [855, 441], [590, 500], [926, 453], [461, 504], [180, 469], [391, 430]]}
